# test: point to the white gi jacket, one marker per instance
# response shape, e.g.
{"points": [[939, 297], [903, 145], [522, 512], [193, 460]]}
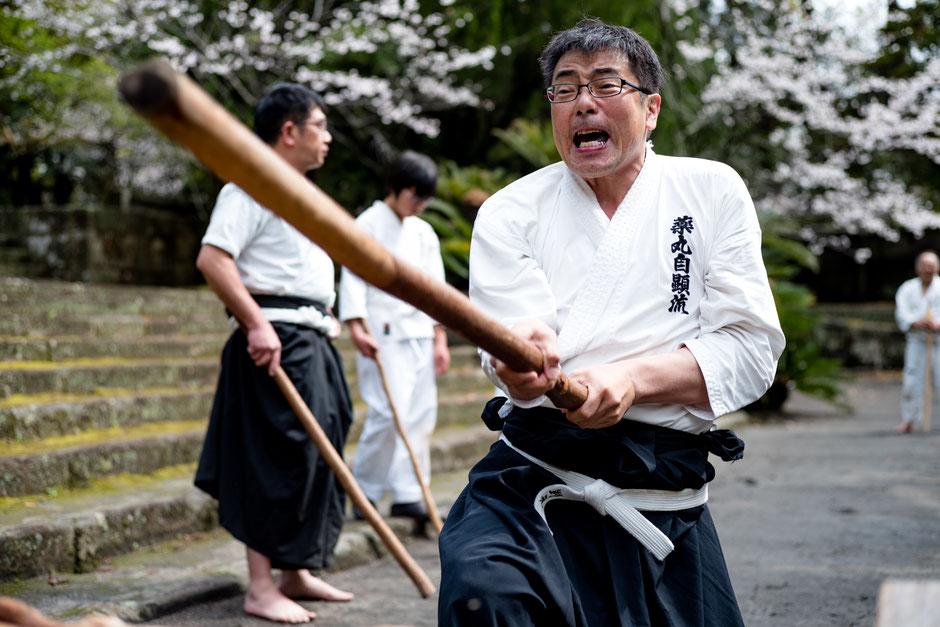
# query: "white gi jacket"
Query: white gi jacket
{"points": [[272, 257], [405, 336], [912, 304], [678, 265], [411, 240]]}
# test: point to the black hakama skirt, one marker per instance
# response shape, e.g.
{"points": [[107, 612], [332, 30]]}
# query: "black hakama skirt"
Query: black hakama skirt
{"points": [[502, 565], [276, 493]]}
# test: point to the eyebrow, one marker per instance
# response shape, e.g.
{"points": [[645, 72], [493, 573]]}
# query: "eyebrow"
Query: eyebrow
{"points": [[597, 72]]}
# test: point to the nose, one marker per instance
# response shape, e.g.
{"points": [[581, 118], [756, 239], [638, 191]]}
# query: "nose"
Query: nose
{"points": [[587, 104]]}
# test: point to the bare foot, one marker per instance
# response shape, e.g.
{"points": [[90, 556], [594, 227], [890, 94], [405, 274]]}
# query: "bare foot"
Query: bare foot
{"points": [[273, 605], [904, 427], [301, 584]]}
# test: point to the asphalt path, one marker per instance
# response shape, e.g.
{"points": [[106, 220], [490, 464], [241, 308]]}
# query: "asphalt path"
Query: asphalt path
{"points": [[825, 506]]}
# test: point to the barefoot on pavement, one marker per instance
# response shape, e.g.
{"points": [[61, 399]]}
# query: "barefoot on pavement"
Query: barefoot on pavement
{"points": [[301, 584], [273, 605], [904, 427]]}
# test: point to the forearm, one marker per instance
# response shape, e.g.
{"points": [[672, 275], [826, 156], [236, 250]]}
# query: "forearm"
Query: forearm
{"points": [[668, 378], [440, 336], [221, 274]]}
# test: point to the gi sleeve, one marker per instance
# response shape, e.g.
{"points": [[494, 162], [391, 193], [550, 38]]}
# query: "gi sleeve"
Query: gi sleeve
{"points": [[505, 279], [236, 219], [352, 296], [740, 339], [907, 310], [353, 290]]}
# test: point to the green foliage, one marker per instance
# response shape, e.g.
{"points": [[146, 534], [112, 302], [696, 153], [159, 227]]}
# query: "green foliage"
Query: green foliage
{"points": [[460, 191], [532, 140], [802, 365], [454, 232]]}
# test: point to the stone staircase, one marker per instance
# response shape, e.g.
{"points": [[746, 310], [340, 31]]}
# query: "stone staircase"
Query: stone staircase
{"points": [[104, 396]]}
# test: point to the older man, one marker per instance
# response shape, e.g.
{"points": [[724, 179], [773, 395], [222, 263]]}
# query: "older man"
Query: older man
{"points": [[917, 313], [641, 276], [276, 493]]}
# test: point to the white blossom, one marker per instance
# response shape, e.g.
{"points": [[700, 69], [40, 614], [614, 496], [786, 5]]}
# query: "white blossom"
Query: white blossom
{"points": [[242, 49]]}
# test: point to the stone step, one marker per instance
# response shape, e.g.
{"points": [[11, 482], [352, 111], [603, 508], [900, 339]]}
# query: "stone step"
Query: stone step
{"points": [[154, 580], [38, 398], [90, 376], [85, 376], [105, 324], [68, 461], [75, 533], [65, 347], [74, 461], [74, 529], [58, 348], [30, 418], [57, 297]]}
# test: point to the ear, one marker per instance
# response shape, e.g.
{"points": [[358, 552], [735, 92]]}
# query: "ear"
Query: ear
{"points": [[288, 134], [653, 102]]}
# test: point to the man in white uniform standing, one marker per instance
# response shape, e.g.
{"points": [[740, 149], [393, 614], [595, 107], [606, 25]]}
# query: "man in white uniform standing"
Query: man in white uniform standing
{"points": [[641, 276], [276, 493], [917, 312], [411, 345]]}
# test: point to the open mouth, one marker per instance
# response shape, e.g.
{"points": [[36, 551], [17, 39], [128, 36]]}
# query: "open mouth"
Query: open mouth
{"points": [[590, 138]]}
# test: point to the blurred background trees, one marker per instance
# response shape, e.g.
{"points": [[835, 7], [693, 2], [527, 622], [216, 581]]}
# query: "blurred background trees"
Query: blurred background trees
{"points": [[831, 117]]}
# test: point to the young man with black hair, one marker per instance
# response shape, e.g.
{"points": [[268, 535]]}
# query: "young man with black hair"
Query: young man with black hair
{"points": [[411, 345], [276, 493]]}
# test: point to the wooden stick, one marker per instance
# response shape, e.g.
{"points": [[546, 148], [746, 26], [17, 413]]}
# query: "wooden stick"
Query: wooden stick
{"points": [[425, 490], [928, 384], [189, 116], [345, 476]]}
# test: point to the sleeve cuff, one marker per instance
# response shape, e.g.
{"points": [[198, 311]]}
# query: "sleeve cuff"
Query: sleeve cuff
{"points": [[491, 374], [716, 405]]}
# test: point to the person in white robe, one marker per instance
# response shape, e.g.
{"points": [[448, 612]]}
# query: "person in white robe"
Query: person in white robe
{"points": [[917, 312], [411, 345], [640, 276]]}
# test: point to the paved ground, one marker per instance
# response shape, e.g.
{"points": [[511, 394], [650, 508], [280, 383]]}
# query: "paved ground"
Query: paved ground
{"points": [[824, 507]]}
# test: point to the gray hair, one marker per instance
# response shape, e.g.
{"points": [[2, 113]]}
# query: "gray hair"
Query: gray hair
{"points": [[592, 35]]}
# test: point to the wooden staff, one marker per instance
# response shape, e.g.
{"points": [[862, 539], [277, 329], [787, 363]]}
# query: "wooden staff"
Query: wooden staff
{"points": [[425, 490], [928, 383], [188, 115], [348, 481]]}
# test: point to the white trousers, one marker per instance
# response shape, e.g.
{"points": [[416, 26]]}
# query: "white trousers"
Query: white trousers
{"points": [[915, 363], [382, 462]]}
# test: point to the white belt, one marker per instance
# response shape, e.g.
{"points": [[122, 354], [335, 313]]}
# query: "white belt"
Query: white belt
{"points": [[623, 505], [307, 316]]}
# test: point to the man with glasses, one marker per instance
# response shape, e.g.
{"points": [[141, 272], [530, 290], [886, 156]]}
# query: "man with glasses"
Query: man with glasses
{"points": [[410, 344], [641, 276], [276, 493]]}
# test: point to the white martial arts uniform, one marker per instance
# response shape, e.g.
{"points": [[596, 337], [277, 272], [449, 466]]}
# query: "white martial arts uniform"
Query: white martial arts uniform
{"points": [[912, 304], [679, 264], [273, 257], [406, 347]]}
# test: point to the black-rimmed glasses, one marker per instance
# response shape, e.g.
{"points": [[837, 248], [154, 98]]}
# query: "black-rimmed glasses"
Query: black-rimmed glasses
{"points": [[599, 88]]}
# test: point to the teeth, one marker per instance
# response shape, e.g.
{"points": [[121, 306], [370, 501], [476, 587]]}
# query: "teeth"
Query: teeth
{"points": [[593, 144]]}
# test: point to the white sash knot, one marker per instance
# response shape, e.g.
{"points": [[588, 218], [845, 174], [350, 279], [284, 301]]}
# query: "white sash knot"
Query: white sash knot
{"points": [[623, 505]]}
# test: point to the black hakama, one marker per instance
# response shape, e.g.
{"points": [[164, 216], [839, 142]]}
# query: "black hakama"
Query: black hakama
{"points": [[276, 493], [502, 566]]}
